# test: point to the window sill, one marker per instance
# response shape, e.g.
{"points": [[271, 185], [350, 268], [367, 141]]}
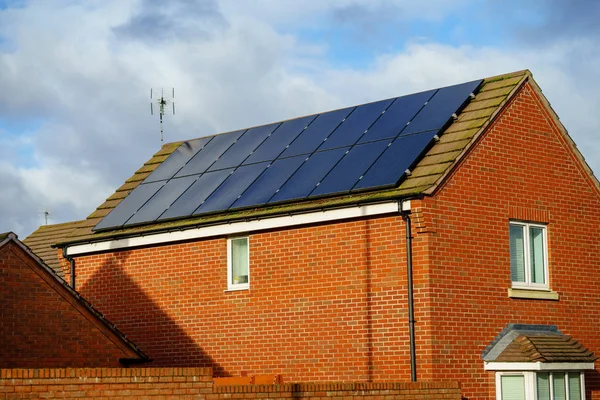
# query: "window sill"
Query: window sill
{"points": [[237, 289], [532, 294]]}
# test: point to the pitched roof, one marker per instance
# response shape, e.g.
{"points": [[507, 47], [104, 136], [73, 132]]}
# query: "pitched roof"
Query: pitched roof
{"points": [[491, 97], [536, 343], [41, 241], [545, 348], [427, 175], [69, 294]]}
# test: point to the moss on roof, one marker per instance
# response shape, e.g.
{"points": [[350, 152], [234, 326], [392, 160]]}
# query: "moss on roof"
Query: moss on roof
{"points": [[428, 173]]}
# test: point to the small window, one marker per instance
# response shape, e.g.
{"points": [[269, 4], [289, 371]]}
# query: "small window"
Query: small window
{"points": [[512, 387], [555, 385], [528, 256], [238, 263]]}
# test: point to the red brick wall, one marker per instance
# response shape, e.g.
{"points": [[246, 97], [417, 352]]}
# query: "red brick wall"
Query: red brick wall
{"points": [[38, 327], [307, 314], [196, 383], [522, 168]]}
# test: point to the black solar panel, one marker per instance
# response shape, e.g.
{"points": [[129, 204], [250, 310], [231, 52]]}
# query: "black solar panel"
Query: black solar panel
{"points": [[356, 125], [353, 149], [210, 153], [352, 166], [243, 147], [275, 144], [232, 188], [393, 162], [267, 184], [177, 159], [308, 176], [318, 131], [162, 199], [129, 205]]}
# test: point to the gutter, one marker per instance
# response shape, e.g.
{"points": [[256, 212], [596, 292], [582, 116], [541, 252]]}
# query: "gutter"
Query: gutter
{"points": [[405, 213], [230, 228], [71, 261]]}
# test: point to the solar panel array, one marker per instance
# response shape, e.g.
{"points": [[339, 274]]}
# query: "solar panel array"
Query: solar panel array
{"points": [[343, 151]]}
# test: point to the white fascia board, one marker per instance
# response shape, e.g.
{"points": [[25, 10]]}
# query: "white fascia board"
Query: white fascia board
{"points": [[238, 227], [537, 366]]}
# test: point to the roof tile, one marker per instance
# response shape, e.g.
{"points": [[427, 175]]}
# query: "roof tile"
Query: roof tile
{"points": [[545, 348], [41, 241]]}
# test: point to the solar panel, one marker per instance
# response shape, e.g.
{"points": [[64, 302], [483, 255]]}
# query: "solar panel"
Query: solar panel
{"points": [[223, 197], [243, 147], [276, 143], [162, 199], [353, 149], [196, 194], [177, 159], [390, 167], [129, 205], [348, 171], [438, 111], [397, 117], [210, 153], [317, 132], [308, 176], [355, 125], [272, 179]]}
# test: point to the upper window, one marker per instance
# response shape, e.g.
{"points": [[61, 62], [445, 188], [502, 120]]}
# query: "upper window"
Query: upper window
{"points": [[555, 385], [528, 255], [238, 263]]}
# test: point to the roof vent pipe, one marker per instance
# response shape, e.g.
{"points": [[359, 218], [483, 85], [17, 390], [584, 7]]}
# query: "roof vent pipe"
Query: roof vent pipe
{"points": [[404, 209]]}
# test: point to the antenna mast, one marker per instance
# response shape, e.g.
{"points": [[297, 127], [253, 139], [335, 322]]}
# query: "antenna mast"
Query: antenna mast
{"points": [[46, 216], [163, 99]]}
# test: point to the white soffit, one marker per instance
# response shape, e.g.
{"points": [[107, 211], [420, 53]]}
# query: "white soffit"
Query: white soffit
{"points": [[239, 227]]}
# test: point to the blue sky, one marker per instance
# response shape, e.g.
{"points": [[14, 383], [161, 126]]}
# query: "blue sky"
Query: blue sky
{"points": [[75, 76]]}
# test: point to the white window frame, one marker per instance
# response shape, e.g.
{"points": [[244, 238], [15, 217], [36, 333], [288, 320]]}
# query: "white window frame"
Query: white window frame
{"points": [[531, 382], [528, 284], [230, 284]]}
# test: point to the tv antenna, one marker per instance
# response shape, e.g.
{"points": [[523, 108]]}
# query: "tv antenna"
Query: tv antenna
{"points": [[46, 216], [162, 101]]}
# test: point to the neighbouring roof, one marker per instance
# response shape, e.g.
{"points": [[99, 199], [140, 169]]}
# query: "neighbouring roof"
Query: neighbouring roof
{"points": [[72, 296], [428, 173], [41, 241], [536, 343]]}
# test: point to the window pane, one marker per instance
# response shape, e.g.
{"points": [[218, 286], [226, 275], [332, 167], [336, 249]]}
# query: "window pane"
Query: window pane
{"points": [[543, 386], [574, 386], [239, 261], [517, 254], [558, 384], [536, 236], [513, 387]]}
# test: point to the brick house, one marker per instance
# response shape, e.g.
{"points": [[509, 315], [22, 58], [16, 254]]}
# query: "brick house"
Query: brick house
{"points": [[309, 277], [45, 323]]}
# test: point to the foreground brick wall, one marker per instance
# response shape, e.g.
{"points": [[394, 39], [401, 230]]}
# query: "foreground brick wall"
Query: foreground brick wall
{"points": [[521, 169], [39, 327], [196, 383]]}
